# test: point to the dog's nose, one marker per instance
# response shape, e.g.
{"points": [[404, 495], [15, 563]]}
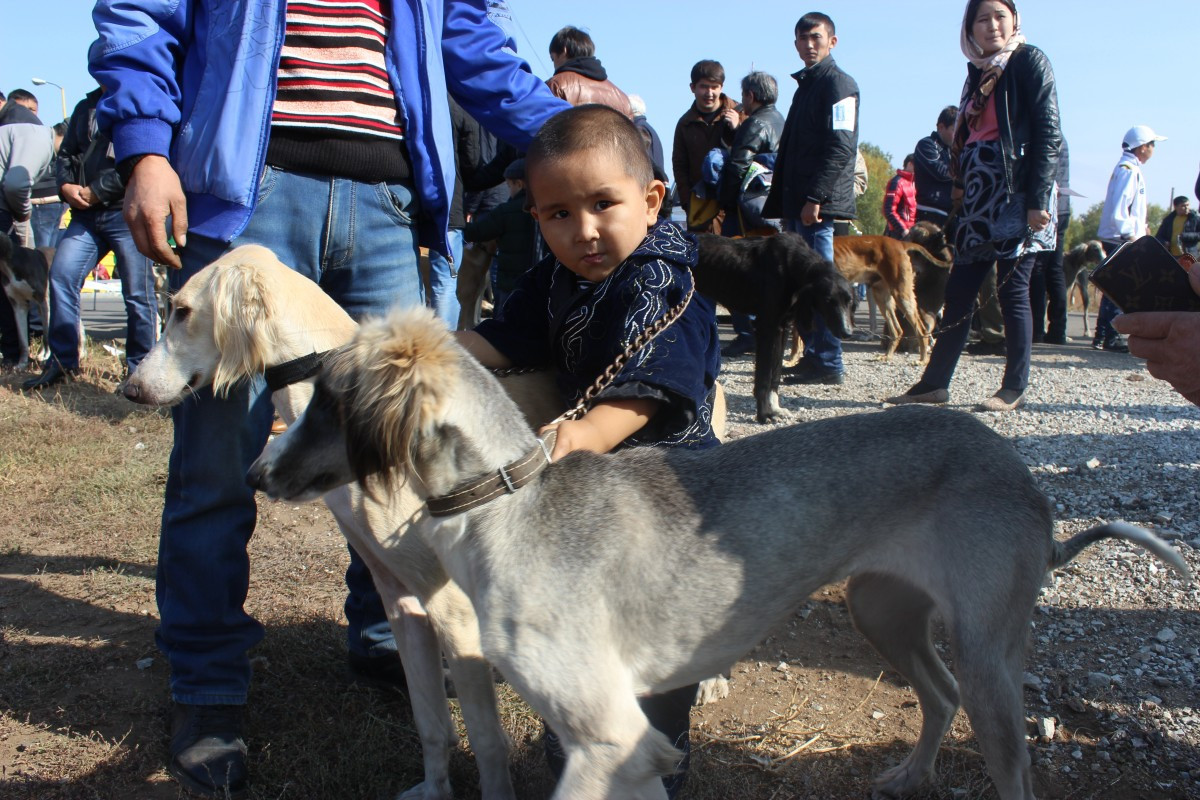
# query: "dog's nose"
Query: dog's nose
{"points": [[255, 476], [132, 391]]}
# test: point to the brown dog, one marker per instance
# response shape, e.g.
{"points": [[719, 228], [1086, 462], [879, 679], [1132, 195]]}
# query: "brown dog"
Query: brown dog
{"points": [[885, 265]]}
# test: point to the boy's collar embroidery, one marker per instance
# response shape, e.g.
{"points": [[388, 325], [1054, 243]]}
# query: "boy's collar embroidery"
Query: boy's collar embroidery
{"points": [[668, 240]]}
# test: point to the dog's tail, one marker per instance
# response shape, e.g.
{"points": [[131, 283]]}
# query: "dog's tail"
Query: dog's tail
{"points": [[915, 249], [1065, 552]]}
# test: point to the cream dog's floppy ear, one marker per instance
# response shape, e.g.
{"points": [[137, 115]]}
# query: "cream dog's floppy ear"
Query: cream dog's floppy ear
{"points": [[242, 311]]}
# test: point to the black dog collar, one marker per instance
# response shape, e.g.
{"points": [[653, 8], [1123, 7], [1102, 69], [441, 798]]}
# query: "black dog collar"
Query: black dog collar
{"points": [[294, 371]]}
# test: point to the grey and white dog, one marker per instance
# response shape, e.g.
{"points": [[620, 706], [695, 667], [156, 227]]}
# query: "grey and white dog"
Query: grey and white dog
{"points": [[609, 576]]}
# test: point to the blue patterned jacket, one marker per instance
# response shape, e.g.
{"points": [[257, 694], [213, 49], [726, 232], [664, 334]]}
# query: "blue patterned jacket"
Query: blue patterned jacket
{"points": [[554, 318]]}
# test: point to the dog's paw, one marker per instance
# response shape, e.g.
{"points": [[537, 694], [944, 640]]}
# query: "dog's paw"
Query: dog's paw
{"points": [[899, 781], [712, 690], [428, 790]]}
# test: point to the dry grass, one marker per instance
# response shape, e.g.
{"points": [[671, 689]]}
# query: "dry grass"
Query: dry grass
{"points": [[83, 690]]}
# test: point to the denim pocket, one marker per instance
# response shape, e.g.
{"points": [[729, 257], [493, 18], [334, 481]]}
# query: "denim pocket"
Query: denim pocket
{"points": [[266, 183], [397, 200]]}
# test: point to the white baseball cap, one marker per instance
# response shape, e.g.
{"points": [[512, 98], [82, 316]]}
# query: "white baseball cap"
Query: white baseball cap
{"points": [[1139, 135]]}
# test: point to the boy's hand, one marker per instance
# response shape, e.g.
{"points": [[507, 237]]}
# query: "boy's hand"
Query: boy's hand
{"points": [[603, 428]]}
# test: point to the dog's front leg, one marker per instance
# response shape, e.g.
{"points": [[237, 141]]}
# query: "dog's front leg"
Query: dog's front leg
{"points": [[458, 628], [768, 364], [420, 655], [22, 314]]}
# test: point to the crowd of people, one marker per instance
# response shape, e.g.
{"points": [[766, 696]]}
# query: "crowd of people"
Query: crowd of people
{"points": [[356, 169]]}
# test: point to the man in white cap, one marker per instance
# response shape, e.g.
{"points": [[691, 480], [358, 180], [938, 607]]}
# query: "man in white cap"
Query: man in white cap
{"points": [[1124, 218]]}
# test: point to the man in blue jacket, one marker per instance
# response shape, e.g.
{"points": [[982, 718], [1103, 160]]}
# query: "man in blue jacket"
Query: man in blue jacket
{"points": [[229, 120]]}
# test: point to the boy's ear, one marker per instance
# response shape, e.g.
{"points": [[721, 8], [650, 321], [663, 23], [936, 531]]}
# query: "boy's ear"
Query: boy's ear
{"points": [[655, 192]]}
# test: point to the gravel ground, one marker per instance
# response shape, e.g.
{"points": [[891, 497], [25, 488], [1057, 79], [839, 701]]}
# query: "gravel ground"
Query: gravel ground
{"points": [[1111, 675]]}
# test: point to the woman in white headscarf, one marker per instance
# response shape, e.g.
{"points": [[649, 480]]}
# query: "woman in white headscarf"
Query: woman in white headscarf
{"points": [[1003, 160]]}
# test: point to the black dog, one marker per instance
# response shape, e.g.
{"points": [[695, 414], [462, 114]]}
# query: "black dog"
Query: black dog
{"points": [[779, 279], [25, 276]]}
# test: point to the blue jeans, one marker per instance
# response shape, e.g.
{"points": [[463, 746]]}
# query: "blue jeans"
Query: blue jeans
{"points": [[821, 348], [443, 280], [45, 220], [356, 241], [91, 234], [962, 288], [743, 324]]}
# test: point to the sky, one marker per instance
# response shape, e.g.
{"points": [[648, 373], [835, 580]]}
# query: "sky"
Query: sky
{"points": [[1117, 64]]}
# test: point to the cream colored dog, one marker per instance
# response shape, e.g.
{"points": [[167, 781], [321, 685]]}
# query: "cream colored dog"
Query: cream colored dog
{"points": [[246, 312]]}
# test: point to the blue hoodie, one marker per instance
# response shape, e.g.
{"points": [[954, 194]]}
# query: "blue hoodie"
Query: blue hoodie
{"points": [[194, 80]]}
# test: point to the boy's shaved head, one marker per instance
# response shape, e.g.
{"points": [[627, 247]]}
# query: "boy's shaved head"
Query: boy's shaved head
{"points": [[592, 127]]}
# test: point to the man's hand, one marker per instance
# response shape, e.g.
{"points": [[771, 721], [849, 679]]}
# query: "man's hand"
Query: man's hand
{"points": [[603, 428], [152, 194], [1170, 343], [1038, 219], [732, 117], [78, 197], [811, 213]]}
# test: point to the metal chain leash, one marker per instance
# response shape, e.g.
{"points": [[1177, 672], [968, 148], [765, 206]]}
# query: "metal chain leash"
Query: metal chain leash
{"points": [[610, 373]]}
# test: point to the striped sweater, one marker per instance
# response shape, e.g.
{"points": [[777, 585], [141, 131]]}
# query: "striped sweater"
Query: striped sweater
{"points": [[332, 72]]}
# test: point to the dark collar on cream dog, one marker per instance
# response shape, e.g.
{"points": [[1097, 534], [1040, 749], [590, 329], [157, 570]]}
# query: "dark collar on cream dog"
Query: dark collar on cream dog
{"points": [[294, 371], [505, 480]]}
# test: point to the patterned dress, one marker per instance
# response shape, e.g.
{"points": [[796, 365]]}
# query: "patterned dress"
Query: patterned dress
{"points": [[554, 318], [992, 223]]}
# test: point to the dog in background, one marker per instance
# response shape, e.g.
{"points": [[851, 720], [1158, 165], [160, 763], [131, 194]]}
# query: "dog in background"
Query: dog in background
{"points": [[779, 279], [885, 265], [1078, 263], [603, 577], [931, 277], [25, 274]]}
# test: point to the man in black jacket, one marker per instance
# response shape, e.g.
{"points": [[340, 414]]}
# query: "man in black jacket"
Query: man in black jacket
{"points": [[931, 170], [814, 175], [1180, 230], [88, 181]]}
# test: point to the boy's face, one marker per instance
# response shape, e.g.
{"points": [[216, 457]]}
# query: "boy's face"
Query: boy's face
{"points": [[814, 44], [708, 95], [593, 215]]}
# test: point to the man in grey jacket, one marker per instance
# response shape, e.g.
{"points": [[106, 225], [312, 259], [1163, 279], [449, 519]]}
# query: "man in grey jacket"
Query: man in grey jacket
{"points": [[26, 149], [757, 134]]}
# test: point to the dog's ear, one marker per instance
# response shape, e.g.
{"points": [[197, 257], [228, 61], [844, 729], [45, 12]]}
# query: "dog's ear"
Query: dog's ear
{"points": [[242, 323], [394, 383]]}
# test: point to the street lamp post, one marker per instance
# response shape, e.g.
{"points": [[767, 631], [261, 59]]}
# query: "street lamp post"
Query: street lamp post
{"points": [[62, 91]]}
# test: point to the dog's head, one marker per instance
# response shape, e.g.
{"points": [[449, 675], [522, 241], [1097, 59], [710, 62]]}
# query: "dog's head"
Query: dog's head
{"points": [[933, 238], [377, 407], [1093, 252], [228, 323], [825, 291]]}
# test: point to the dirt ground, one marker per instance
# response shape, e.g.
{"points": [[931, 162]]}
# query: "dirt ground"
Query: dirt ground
{"points": [[83, 690]]}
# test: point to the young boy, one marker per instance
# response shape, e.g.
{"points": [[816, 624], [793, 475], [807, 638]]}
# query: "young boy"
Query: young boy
{"points": [[614, 271]]}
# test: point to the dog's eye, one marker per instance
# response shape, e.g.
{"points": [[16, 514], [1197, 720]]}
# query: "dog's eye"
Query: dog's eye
{"points": [[181, 313]]}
